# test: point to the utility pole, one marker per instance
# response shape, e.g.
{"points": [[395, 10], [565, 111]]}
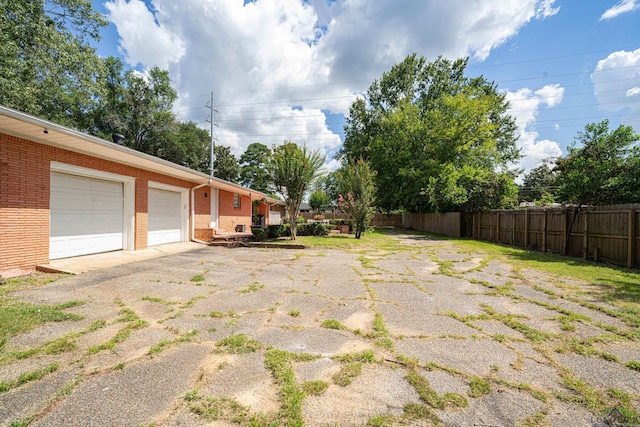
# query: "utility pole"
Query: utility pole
{"points": [[212, 110]]}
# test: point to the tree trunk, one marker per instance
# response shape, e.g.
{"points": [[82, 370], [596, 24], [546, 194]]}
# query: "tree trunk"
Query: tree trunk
{"points": [[576, 210]]}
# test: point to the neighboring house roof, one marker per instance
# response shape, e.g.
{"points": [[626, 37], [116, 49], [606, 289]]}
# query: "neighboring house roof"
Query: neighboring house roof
{"points": [[29, 127], [305, 206]]}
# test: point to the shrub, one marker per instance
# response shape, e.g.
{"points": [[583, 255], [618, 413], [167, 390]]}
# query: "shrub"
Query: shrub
{"points": [[276, 230], [313, 229], [260, 234]]}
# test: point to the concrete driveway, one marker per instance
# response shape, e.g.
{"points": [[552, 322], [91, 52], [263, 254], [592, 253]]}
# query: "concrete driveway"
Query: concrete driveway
{"points": [[419, 334]]}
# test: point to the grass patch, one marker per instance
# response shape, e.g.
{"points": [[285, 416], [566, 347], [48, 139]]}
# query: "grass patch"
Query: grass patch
{"points": [[220, 315], [418, 411], [633, 364], [478, 387], [28, 377], [198, 278], [291, 397], [20, 317], [239, 344], [158, 300], [346, 374], [133, 323], [163, 344], [365, 356], [254, 287], [333, 324], [294, 313], [214, 409], [315, 388], [431, 397]]}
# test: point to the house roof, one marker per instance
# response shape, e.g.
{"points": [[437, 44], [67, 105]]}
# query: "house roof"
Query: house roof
{"points": [[19, 124]]}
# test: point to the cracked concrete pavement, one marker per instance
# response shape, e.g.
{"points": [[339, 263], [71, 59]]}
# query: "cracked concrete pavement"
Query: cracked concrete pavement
{"points": [[493, 346]]}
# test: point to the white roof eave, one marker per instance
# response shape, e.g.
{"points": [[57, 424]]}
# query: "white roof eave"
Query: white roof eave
{"points": [[22, 125]]}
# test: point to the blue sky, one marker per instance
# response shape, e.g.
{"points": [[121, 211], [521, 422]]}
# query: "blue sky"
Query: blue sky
{"points": [[289, 69]]}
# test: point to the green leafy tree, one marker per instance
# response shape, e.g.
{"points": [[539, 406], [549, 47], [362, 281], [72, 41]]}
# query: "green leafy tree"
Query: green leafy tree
{"points": [[137, 106], [423, 121], [603, 170], [253, 168], [186, 145], [355, 183], [47, 65], [539, 185], [225, 164], [318, 200], [293, 170]]}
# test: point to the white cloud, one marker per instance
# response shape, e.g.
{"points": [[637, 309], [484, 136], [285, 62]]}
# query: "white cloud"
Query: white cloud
{"points": [[142, 39], [525, 104], [276, 66], [624, 6], [616, 82], [546, 9]]}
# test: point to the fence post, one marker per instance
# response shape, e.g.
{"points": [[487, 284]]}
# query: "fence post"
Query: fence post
{"points": [[564, 221], [526, 228], [544, 232], [631, 232], [497, 226], [585, 241], [513, 232]]}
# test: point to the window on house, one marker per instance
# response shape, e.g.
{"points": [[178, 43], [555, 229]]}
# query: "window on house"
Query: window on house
{"points": [[236, 201]]}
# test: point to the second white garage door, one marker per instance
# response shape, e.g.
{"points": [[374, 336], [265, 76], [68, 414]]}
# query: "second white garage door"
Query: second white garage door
{"points": [[165, 217]]}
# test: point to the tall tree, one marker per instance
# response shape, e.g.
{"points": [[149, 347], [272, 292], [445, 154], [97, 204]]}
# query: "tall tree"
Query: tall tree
{"points": [[137, 106], [225, 165], [603, 170], [539, 185], [600, 167], [47, 65], [355, 183], [186, 145], [253, 168], [421, 122], [318, 200], [293, 170]]}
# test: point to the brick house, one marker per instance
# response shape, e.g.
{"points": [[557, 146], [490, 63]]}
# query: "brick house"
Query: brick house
{"points": [[64, 193]]}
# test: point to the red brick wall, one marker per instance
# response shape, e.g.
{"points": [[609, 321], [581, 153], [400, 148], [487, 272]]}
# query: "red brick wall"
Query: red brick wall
{"points": [[24, 199], [203, 207], [228, 216]]}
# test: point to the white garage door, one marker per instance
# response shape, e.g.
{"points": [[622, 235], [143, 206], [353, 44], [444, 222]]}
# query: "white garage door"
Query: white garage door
{"points": [[165, 217], [86, 216]]}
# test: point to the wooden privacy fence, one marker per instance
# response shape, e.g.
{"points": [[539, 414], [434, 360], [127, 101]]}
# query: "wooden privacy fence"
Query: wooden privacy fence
{"points": [[609, 234], [440, 223]]}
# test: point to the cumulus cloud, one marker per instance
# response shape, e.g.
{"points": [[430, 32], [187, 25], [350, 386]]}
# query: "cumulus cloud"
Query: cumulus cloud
{"points": [[142, 39], [525, 104], [624, 6], [616, 82], [279, 67]]}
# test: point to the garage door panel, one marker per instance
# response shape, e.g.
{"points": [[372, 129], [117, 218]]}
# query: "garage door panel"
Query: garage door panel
{"points": [[165, 217], [86, 216]]}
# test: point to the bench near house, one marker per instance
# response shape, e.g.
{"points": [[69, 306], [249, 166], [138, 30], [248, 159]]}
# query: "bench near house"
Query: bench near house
{"points": [[64, 193]]}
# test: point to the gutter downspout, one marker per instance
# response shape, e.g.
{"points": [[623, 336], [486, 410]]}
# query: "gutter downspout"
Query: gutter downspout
{"points": [[193, 212]]}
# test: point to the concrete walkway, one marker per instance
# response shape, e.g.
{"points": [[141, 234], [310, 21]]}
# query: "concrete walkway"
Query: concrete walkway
{"points": [[416, 334], [82, 264]]}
